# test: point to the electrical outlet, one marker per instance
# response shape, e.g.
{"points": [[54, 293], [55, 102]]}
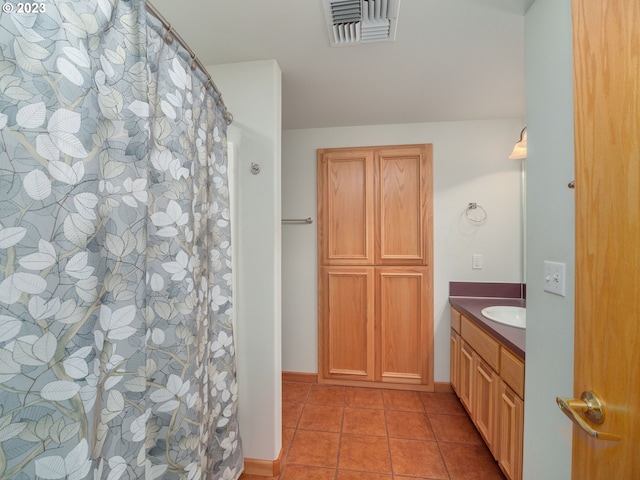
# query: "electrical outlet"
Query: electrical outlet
{"points": [[554, 274], [476, 261]]}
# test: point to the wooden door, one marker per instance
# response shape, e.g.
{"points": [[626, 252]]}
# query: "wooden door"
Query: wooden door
{"points": [[347, 330], [346, 210], [405, 338], [404, 207], [606, 39]]}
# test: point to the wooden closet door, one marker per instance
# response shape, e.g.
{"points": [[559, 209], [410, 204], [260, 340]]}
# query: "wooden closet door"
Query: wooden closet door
{"points": [[347, 323], [405, 337], [375, 316], [346, 212], [403, 205]]}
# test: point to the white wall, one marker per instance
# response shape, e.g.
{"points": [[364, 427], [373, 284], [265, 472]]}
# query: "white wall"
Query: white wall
{"points": [[550, 236], [470, 165], [252, 93]]}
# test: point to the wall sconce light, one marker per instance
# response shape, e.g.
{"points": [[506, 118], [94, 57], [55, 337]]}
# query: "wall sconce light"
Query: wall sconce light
{"points": [[520, 148]]}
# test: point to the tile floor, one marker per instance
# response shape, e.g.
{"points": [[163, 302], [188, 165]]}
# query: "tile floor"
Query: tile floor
{"points": [[348, 433]]}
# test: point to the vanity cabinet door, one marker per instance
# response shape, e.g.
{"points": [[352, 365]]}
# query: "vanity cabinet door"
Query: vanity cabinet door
{"points": [[455, 360], [466, 377], [511, 408], [486, 384]]}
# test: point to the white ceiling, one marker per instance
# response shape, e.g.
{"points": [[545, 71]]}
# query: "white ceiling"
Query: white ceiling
{"points": [[452, 59]]}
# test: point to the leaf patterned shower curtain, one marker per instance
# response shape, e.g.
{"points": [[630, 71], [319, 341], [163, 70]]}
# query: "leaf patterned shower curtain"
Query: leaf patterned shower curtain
{"points": [[116, 341]]}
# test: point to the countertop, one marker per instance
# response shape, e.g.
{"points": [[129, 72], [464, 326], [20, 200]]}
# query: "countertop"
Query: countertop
{"points": [[512, 337]]}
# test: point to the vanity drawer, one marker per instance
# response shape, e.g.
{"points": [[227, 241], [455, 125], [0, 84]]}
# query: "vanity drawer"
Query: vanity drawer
{"points": [[482, 343], [512, 371], [455, 319]]}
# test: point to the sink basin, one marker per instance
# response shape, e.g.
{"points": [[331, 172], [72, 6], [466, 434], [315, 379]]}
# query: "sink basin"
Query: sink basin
{"points": [[513, 316]]}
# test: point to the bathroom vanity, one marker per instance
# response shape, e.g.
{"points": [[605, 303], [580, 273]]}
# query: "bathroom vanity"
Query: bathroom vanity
{"points": [[487, 374]]}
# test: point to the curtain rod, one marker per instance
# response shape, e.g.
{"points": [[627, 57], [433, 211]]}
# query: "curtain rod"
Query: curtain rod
{"points": [[196, 61]]}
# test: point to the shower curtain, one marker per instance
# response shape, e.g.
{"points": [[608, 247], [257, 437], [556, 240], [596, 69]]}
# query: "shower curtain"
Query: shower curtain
{"points": [[116, 341]]}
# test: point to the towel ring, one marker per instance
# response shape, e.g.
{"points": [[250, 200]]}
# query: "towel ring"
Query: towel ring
{"points": [[475, 207]]}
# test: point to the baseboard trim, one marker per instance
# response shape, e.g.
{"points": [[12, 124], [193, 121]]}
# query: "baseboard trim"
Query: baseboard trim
{"points": [[413, 387], [442, 387], [263, 468], [300, 377]]}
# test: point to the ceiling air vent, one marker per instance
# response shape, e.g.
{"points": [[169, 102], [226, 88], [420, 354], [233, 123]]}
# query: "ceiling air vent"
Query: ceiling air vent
{"points": [[351, 22]]}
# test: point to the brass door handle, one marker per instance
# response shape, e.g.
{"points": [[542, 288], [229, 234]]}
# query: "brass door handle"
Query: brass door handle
{"points": [[593, 409]]}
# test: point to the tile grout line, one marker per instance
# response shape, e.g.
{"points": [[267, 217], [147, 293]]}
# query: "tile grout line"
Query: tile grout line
{"points": [[386, 427], [437, 440], [344, 402], [295, 431]]}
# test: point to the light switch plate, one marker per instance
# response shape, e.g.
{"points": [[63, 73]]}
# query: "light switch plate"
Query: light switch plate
{"points": [[554, 273], [476, 261]]}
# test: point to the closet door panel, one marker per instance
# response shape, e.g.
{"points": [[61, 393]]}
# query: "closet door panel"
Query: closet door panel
{"points": [[404, 335], [404, 213], [347, 299], [346, 212]]}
